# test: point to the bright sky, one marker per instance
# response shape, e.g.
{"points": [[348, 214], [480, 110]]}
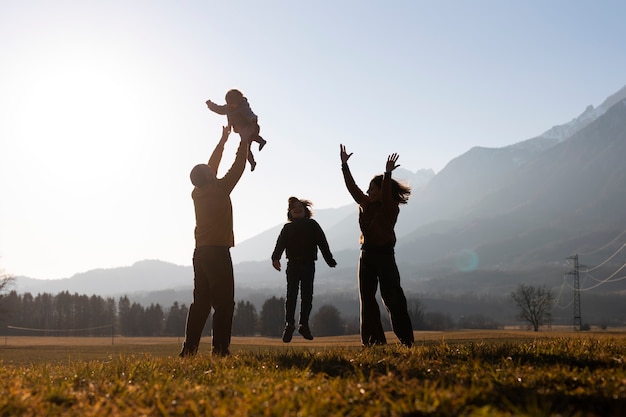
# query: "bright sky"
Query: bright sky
{"points": [[102, 110]]}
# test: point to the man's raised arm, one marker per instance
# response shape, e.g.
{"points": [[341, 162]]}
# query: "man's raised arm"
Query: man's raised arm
{"points": [[216, 156], [236, 170]]}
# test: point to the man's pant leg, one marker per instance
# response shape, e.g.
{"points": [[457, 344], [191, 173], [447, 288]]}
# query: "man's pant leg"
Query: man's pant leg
{"points": [[200, 307], [223, 293]]}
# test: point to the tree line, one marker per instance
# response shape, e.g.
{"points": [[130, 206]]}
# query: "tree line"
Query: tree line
{"points": [[66, 314]]}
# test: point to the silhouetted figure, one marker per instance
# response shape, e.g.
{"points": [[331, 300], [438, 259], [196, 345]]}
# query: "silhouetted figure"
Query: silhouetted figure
{"points": [[241, 118], [378, 213], [213, 280], [300, 238]]}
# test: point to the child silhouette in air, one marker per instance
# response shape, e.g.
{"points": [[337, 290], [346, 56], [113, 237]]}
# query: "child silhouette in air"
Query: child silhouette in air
{"points": [[300, 238], [241, 118]]}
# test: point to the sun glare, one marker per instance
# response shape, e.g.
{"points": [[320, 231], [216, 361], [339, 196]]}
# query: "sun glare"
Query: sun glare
{"points": [[77, 109]]}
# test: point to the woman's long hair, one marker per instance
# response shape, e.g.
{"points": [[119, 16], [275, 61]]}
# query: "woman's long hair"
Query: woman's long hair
{"points": [[399, 192]]}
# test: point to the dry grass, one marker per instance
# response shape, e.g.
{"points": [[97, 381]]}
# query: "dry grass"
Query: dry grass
{"points": [[463, 373], [20, 350]]}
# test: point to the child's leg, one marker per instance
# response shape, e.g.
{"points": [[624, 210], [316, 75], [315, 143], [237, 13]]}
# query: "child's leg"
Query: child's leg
{"points": [[257, 138], [251, 160], [261, 141], [249, 136], [307, 272]]}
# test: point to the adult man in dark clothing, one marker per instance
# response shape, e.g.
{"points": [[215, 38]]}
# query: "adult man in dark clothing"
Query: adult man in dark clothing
{"points": [[214, 285]]}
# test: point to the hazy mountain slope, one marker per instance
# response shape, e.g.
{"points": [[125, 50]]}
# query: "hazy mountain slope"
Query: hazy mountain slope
{"points": [[575, 188], [149, 275], [490, 219], [339, 224], [460, 185]]}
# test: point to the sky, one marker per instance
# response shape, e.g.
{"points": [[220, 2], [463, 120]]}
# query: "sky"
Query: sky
{"points": [[102, 112]]}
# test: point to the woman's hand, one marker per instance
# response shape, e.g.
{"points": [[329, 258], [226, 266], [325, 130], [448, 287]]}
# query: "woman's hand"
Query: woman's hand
{"points": [[391, 162], [343, 154]]}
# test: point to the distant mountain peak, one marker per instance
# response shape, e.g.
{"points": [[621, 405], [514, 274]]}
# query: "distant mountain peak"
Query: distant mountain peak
{"points": [[416, 179], [591, 113]]}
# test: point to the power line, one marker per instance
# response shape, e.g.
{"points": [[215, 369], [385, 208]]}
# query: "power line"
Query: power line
{"points": [[606, 280], [108, 326], [603, 247], [576, 273], [558, 297], [607, 260]]}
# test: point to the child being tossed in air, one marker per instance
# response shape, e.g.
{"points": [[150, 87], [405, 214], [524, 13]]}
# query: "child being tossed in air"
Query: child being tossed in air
{"points": [[241, 118]]}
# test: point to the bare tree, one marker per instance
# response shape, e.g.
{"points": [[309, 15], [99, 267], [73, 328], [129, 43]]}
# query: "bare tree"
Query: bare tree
{"points": [[6, 281], [535, 304]]}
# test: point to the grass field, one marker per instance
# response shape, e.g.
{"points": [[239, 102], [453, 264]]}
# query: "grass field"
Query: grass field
{"points": [[461, 373], [21, 350]]}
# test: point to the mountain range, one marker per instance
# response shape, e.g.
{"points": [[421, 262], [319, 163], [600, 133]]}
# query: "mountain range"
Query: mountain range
{"points": [[491, 219]]}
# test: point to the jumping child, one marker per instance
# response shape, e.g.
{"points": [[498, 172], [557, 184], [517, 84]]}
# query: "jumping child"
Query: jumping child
{"points": [[300, 237]]}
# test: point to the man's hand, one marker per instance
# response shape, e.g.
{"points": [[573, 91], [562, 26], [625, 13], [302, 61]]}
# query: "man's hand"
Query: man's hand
{"points": [[276, 265], [343, 154], [225, 134], [391, 162]]}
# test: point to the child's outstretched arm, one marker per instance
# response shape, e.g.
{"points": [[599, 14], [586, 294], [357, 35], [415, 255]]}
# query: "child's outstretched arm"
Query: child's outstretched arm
{"points": [[216, 107]]}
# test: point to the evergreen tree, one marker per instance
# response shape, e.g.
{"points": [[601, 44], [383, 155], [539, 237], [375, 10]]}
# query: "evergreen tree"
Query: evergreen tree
{"points": [[176, 319], [245, 319], [151, 322], [327, 322], [124, 316], [272, 319], [134, 320]]}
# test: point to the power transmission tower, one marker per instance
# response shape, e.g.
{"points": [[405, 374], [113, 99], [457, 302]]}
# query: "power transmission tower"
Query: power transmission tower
{"points": [[577, 319]]}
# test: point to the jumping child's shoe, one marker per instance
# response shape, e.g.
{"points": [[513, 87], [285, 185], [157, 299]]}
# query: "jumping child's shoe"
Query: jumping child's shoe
{"points": [[305, 332], [288, 333]]}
